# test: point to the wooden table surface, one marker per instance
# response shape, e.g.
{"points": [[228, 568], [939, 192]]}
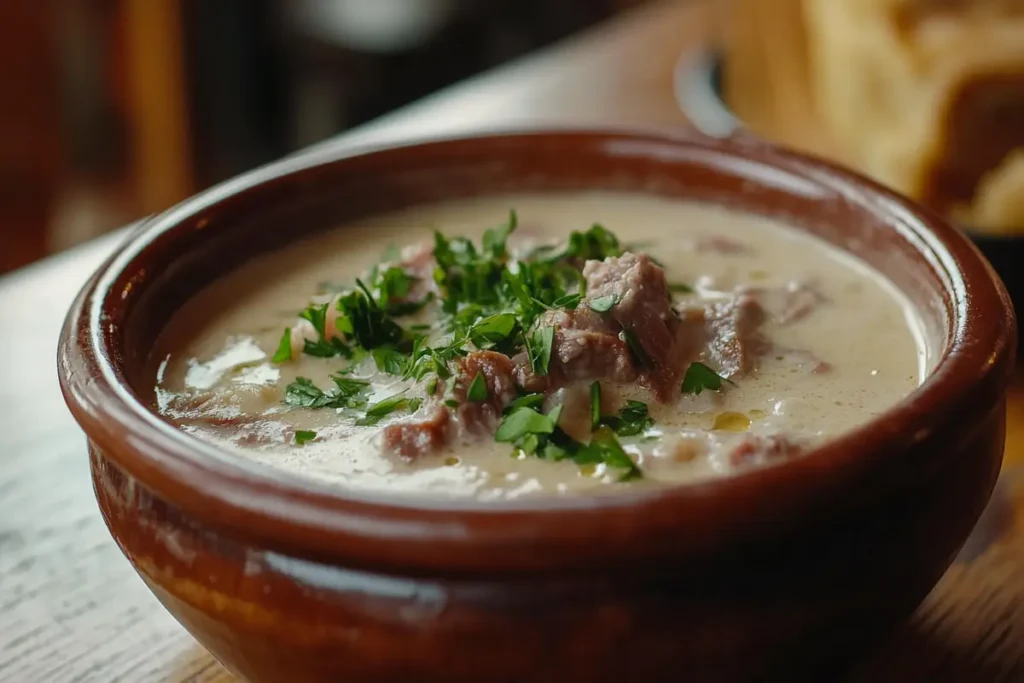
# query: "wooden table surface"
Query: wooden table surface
{"points": [[71, 607]]}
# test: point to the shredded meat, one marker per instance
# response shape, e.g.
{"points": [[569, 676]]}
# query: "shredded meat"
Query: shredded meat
{"points": [[735, 340], [758, 450], [497, 371], [416, 438]]}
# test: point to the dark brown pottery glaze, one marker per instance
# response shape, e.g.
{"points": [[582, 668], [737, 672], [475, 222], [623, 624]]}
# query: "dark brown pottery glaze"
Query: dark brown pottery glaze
{"points": [[768, 575]]}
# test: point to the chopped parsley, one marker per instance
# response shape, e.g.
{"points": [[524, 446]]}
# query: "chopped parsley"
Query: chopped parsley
{"points": [[348, 393], [527, 401], [382, 409], [633, 419], [597, 243], [699, 377], [605, 448], [522, 422], [284, 347], [603, 304], [302, 436], [638, 351], [488, 299], [390, 361], [538, 349], [477, 392], [680, 288]]}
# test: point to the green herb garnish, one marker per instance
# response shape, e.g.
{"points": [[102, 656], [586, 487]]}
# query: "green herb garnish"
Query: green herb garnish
{"points": [[379, 410], [680, 288], [523, 421], [528, 401], [348, 393], [538, 348], [477, 392], [605, 448], [302, 436], [638, 351], [595, 405], [389, 360], [284, 347], [603, 304], [633, 419], [699, 377]]}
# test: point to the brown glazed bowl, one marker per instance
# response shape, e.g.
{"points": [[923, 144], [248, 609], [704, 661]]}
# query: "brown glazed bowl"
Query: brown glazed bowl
{"points": [[775, 574]]}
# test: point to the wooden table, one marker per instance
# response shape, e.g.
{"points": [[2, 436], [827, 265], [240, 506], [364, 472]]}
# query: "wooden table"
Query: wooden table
{"points": [[72, 609]]}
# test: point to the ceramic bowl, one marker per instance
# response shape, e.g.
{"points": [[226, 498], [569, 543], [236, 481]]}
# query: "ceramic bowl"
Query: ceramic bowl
{"points": [[772, 574]]}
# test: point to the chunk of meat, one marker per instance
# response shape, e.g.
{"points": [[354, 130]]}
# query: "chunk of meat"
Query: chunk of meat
{"points": [[584, 346], [498, 373], [734, 334], [643, 309], [418, 437], [754, 449]]}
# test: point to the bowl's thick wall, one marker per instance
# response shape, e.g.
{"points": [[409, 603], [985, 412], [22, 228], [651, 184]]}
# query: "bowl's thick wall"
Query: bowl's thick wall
{"points": [[801, 606], [777, 570]]}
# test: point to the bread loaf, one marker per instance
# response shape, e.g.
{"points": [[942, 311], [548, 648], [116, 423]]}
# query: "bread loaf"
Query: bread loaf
{"points": [[927, 96]]}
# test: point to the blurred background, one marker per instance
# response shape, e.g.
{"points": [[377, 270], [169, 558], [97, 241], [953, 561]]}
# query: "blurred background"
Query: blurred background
{"points": [[114, 109]]}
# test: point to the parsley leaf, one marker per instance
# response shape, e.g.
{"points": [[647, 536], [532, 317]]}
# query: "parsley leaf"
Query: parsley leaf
{"points": [[389, 360], [605, 448], [520, 422], [303, 393], [302, 436], [603, 304], [597, 243], [633, 419], [680, 288], [634, 346], [495, 240], [496, 331], [385, 407], [323, 348], [284, 347], [538, 348], [699, 377], [568, 301], [477, 392], [317, 315], [595, 405], [528, 401], [364, 320]]}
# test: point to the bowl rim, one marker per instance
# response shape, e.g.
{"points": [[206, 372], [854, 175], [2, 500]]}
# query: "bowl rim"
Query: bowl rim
{"points": [[253, 501]]}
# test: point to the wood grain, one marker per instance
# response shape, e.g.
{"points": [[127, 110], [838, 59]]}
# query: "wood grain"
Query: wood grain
{"points": [[72, 609]]}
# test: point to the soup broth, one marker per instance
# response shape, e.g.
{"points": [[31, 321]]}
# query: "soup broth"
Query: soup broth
{"points": [[673, 342]]}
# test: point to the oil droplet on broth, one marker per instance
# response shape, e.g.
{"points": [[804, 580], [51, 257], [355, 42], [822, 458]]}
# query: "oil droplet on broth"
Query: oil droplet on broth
{"points": [[451, 461], [731, 422], [756, 414]]}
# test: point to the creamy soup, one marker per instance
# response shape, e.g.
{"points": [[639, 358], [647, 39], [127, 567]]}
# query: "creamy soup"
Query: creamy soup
{"points": [[586, 343]]}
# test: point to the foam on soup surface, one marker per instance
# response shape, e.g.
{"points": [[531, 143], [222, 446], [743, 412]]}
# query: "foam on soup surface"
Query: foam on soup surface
{"points": [[587, 343]]}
